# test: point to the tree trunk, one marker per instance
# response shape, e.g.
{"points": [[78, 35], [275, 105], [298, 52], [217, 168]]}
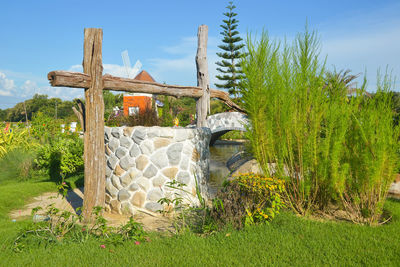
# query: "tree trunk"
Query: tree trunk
{"points": [[203, 103], [94, 153], [80, 114]]}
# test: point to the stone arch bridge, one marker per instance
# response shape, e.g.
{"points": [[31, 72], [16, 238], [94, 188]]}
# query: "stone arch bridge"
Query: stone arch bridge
{"points": [[222, 123]]}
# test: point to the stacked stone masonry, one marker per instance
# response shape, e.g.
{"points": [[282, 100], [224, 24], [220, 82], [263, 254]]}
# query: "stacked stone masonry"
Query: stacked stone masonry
{"points": [[227, 121], [142, 161]]}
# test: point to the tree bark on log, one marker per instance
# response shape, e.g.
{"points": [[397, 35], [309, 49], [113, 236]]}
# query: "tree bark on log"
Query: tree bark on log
{"points": [[80, 114], [94, 152], [81, 80], [203, 81]]}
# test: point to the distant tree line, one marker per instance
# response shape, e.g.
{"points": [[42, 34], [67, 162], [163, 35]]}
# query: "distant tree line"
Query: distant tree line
{"points": [[54, 107], [51, 107]]}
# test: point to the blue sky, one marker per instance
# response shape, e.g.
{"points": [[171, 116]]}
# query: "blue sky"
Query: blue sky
{"points": [[40, 36]]}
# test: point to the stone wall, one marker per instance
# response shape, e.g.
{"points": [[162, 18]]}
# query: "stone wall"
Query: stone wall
{"points": [[142, 160]]}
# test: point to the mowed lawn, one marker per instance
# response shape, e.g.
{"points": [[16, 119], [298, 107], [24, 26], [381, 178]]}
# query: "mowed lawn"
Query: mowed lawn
{"points": [[288, 240]]}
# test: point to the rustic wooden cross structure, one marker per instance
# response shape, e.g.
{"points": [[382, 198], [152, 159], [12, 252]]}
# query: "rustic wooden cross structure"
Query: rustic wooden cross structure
{"points": [[93, 81]]}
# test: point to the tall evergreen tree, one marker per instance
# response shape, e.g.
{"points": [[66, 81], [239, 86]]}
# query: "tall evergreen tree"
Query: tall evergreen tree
{"points": [[229, 67]]}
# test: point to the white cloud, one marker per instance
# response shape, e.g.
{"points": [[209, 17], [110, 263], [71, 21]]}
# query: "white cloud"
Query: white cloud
{"points": [[179, 66], [114, 69], [61, 92], [7, 86], [28, 88]]}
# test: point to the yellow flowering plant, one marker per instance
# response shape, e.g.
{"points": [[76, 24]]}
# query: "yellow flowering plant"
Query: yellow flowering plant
{"points": [[248, 199]]}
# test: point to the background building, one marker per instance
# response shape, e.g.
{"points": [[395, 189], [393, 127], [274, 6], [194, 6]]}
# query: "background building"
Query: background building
{"points": [[138, 103]]}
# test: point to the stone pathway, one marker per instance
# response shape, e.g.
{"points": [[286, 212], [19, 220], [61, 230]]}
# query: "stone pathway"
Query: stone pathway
{"points": [[151, 222]]}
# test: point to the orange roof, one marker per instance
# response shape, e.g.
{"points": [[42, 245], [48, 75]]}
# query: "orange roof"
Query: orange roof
{"points": [[144, 76]]}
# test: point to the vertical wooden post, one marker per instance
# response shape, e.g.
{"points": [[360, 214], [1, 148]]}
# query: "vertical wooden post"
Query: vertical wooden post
{"points": [[203, 103], [94, 153]]}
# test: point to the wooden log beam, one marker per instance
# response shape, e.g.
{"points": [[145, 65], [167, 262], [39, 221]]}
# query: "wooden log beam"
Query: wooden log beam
{"points": [[94, 152], [224, 97], [203, 80], [81, 80]]}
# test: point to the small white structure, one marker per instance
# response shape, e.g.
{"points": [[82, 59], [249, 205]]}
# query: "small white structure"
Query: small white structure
{"points": [[73, 126]]}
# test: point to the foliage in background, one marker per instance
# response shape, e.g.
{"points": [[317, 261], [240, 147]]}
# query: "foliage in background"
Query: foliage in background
{"points": [[183, 108], [148, 118], [233, 135], [51, 107], [248, 199], [229, 66], [217, 106], [44, 128], [110, 102], [329, 148], [167, 119]]}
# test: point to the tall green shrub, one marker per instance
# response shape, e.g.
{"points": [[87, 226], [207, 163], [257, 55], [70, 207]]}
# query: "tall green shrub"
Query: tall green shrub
{"points": [[372, 142], [310, 133]]}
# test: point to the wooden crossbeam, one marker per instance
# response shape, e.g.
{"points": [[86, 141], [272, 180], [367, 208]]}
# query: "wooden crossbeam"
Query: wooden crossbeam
{"points": [[81, 80]]}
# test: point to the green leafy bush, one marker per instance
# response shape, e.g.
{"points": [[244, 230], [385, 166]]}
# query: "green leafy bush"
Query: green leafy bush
{"points": [[62, 156], [248, 199], [329, 147]]}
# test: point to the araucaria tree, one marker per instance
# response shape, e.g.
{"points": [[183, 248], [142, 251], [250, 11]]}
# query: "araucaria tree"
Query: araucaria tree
{"points": [[229, 66]]}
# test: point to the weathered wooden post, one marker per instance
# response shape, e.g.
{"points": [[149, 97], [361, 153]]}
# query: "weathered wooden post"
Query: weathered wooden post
{"points": [[203, 103], [94, 154]]}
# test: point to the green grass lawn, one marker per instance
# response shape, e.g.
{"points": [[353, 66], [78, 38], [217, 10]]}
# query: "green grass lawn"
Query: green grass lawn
{"points": [[288, 240]]}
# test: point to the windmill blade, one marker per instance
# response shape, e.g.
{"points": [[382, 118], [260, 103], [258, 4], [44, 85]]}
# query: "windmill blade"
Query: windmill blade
{"points": [[136, 68], [127, 62]]}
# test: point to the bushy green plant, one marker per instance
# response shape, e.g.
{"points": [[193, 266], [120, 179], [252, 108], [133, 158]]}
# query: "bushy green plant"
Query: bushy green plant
{"points": [[188, 215], [62, 156], [248, 199], [329, 147]]}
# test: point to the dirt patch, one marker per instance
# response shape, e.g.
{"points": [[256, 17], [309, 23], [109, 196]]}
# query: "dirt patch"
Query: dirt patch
{"points": [[151, 222]]}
